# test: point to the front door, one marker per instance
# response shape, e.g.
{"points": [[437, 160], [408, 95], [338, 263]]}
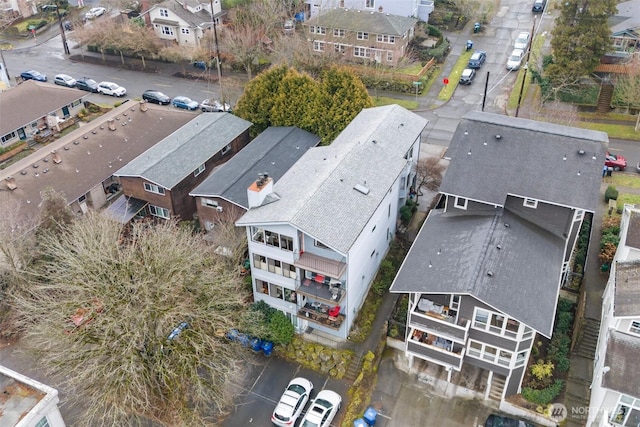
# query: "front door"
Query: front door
{"points": [[21, 134], [65, 112]]}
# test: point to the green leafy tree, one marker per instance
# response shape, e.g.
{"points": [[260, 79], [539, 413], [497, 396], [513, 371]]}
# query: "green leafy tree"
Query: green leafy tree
{"points": [[131, 321], [581, 37], [282, 96]]}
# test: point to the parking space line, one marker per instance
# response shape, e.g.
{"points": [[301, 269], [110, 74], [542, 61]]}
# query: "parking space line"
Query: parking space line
{"points": [[259, 376]]}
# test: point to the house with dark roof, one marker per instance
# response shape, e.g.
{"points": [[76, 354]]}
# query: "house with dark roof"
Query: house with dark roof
{"points": [[26, 402], [361, 35], [35, 108], [316, 237], [414, 8], [184, 22], [80, 165], [270, 154], [484, 273], [625, 29], [615, 390], [162, 177]]}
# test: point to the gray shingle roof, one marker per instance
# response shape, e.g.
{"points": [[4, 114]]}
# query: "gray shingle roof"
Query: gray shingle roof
{"points": [[30, 101], [627, 290], [632, 238], [527, 160], [622, 359], [317, 194], [193, 19], [627, 18], [176, 156], [274, 151], [356, 20], [455, 253]]}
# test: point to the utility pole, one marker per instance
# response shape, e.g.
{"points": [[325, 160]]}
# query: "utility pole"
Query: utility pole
{"points": [[215, 35], [526, 64], [62, 34]]}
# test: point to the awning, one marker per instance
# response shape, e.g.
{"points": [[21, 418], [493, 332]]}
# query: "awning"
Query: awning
{"points": [[166, 22], [124, 208], [321, 265]]}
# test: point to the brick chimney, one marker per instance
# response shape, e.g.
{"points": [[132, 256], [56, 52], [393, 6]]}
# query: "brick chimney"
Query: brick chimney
{"points": [[260, 189], [144, 9]]}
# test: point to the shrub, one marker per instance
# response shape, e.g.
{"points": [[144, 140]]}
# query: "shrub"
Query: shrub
{"points": [[405, 214], [544, 396], [565, 305], [562, 363], [281, 330], [542, 370], [565, 321], [610, 194]]}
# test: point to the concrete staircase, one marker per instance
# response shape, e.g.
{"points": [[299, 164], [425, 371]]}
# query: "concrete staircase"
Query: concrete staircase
{"points": [[497, 387], [605, 97], [589, 340], [353, 369]]}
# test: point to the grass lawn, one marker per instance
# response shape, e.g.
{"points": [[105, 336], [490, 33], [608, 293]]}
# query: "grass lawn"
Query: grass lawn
{"points": [[383, 100], [536, 47], [447, 91], [624, 180], [411, 69], [614, 131], [627, 199]]}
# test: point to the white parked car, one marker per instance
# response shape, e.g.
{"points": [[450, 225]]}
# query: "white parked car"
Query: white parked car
{"points": [[213, 105], [515, 59], [94, 12], [110, 88], [64, 80], [522, 41], [323, 409], [292, 402]]}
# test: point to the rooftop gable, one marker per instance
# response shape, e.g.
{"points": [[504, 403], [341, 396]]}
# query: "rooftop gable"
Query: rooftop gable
{"points": [[30, 101], [317, 195], [495, 155], [273, 152], [627, 18], [169, 161], [497, 257], [357, 20], [20, 396], [89, 155]]}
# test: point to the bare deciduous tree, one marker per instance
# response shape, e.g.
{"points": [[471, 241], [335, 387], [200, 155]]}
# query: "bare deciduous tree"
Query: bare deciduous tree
{"points": [[628, 85], [132, 321], [429, 173]]}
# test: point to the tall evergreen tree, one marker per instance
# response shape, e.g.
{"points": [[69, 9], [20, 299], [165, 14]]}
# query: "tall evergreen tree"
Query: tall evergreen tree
{"points": [[581, 37]]}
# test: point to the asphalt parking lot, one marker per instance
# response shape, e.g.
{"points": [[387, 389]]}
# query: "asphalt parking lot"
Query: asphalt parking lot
{"points": [[265, 381]]}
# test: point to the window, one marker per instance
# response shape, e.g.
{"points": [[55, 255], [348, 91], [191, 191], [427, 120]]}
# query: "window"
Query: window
{"points": [[481, 319], [152, 188], [489, 353], [362, 36], [521, 358], [475, 349], [383, 38], [199, 170], [318, 46], [626, 411], [164, 13], [530, 203], [460, 203], [274, 266], [8, 137], [370, 3], [389, 56], [262, 287], [75, 103], [634, 328], [339, 48], [579, 215], [44, 422], [272, 239], [226, 149], [337, 32], [319, 244], [209, 203], [167, 31], [528, 332], [361, 52], [160, 212], [496, 323], [286, 243], [317, 30], [184, 30], [260, 261], [275, 291], [257, 234], [82, 198]]}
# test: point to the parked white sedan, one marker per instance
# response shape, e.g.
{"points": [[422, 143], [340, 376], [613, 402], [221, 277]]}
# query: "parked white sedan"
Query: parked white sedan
{"points": [[292, 402], [94, 12], [323, 409], [110, 88], [515, 59]]}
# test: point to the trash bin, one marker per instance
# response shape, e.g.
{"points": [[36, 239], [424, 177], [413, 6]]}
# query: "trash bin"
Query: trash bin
{"points": [[267, 348], [243, 339], [469, 44], [232, 335], [476, 27], [255, 344], [370, 416], [359, 423]]}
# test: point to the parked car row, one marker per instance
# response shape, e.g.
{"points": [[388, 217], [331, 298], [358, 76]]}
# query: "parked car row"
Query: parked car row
{"points": [[321, 412], [113, 89]]}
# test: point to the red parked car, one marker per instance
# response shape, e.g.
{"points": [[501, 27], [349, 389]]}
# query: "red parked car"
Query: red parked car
{"points": [[615, 161]]}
